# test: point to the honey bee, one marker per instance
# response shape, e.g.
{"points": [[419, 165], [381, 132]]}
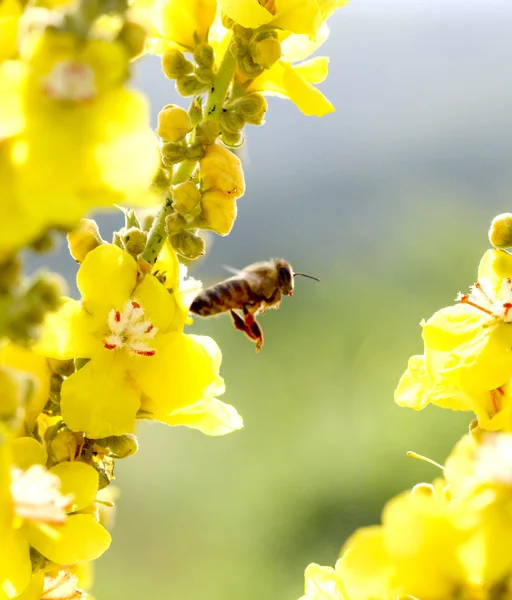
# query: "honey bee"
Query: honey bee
{"points": [[252, 290]]}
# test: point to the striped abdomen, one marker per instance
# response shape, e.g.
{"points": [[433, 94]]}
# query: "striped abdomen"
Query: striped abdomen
{"points": [[227, 295]]}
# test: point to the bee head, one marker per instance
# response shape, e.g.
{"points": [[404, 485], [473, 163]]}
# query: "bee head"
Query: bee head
{"points": [[284, 276]]}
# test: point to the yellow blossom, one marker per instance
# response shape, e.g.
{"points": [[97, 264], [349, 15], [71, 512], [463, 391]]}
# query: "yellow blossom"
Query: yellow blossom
{"points": [[75, 136], [221, 169], [140, 361], [219, 211], [302, 16], [173, 123], [10, 12], [176, 22]]}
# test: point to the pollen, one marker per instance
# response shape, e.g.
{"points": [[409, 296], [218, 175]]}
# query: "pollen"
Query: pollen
{"points": [[70, 80], [497, 305], [36, 495], [130, 330]]}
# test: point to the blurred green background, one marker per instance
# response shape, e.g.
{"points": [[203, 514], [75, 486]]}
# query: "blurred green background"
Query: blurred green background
{"points": [[388, 201]]}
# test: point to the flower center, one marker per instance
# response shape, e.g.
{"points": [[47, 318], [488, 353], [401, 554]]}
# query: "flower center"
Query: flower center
{"points": [[62, 587], [498, 306], [70, 80], [129, 329], [36, 495]]}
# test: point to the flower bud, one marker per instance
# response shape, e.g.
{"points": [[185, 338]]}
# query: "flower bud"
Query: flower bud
{"points": [[204, 75], [204, 55], [233, 140], [219, 211], [133, 36], [172, 153], [251, 107], [44, 294], [188, 244], [500, 233], [44, 243], [231, 122], [83, 239], [266, 52], [189, 85], [160, 181], [119, 446], [194, 152], [10, 271], [195, 111], [174, 64], [423, 489], [207, 132], [65, 445], [222, 170], [174, 223], [249, 67], [185, 197], [134, 241], [173, 123]]}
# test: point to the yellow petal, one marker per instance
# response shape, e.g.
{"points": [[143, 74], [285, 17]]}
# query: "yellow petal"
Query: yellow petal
{"points": [[80, 538], [495, 266], [78, 479], [106, 279], [35, 589], [99, 399], [12, 78], [323, 583], [298, 47], [27, 452], [158, 304], [68, 333], [314, 70], [249, 13], [15, 566], [211, 417], [306, 97]]}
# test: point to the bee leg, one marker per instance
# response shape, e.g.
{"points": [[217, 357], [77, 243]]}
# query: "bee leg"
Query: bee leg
{"points": [[254, 327], [252, 331]]}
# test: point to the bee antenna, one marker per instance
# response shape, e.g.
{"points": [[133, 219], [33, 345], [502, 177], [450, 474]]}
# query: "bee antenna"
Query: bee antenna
{"points": [[308, 276]]}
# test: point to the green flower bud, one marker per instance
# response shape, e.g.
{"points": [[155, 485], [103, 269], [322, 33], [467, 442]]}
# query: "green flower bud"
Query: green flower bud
{"points": [[105, 469], [174, 64], [174, 223], [44, 243], [251, 108], [233, 140], [195, 151], [266, 52], [119, 446], [242, 33], [185, 197], [172, 153], [160, 181], [204, 55], [188, 244], [134, 241], [84, 238], [173, 123], [207, 132], [10, 271], [500, 233], [117, 240], [249, 67], [189, 85], [133, 36], [204, 75], [45, 292], [195, 112], [231, 121]]}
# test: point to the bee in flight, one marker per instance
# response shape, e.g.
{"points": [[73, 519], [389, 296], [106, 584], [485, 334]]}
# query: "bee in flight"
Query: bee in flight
{"points": [[251, 291]]}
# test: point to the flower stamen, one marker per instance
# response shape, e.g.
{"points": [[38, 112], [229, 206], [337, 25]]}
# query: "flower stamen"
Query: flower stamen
{"points": [[129, 329]]}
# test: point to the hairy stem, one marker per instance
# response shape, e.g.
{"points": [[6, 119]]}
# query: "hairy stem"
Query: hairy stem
{"points": [[217, 95]]}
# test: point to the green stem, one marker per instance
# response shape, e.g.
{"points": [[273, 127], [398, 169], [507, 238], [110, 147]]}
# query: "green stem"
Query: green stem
{"points": [[221, 83], [157, 233]]}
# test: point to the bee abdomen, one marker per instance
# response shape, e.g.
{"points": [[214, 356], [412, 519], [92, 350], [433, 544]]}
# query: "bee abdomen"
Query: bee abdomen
{"points": [[221, 298]]}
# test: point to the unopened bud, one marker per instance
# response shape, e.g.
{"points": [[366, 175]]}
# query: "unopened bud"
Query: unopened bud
{"points": [[194, 152], [249, 67], [174, 64], [83, 239], [10, 271], [222, 170], [133, 36], [160, 181], [266, 52], [233, 140], [185, 197], [45, 293], [189, 85], [134, 241], [172, 153], [195, 111], [219, 211], [173, 123], [231, 122], [500, 233], [119, 446], [188, 245], [174, 223], [65, 446], [204, 55], [204, 75], [207, 132], [44, 243], [423, 489], [251, 107]]}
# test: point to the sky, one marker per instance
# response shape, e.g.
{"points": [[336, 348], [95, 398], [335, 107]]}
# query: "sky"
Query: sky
{"points": [[431, 6]]}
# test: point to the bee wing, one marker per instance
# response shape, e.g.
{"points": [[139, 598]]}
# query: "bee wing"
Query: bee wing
{"points": [[242, 273]]}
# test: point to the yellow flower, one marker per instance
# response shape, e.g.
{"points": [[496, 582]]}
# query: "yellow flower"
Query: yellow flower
{"points": [[10, 12], [34, 504], [323, 583], [176, 22], [297, 16], [220, 169], [74, 136], [219, 211], [294, 80], [141, 362]]}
